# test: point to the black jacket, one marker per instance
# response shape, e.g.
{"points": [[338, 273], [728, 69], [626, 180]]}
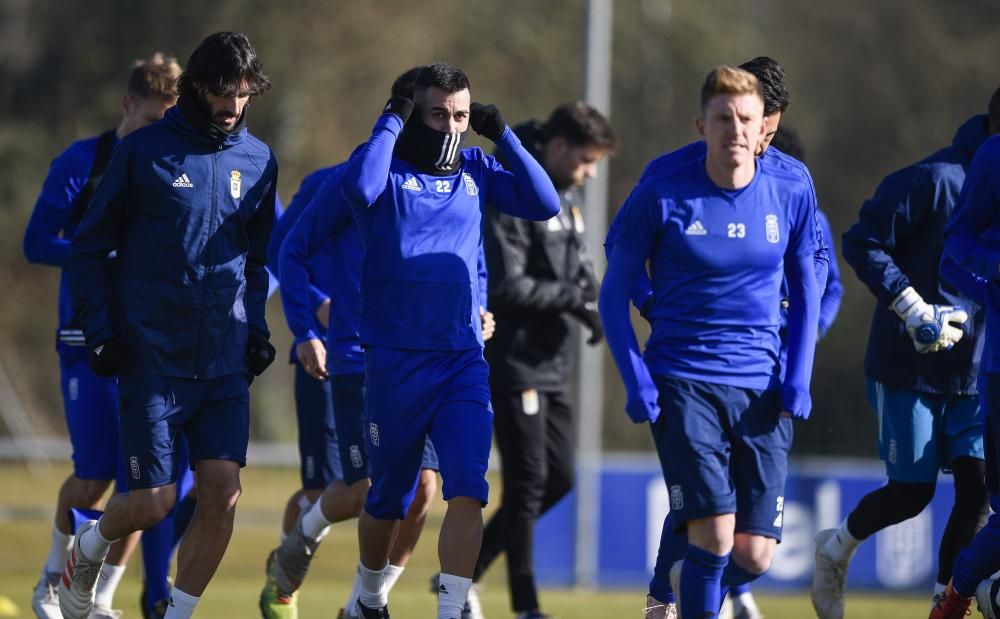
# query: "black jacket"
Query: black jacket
{"points": [[539, 272]]}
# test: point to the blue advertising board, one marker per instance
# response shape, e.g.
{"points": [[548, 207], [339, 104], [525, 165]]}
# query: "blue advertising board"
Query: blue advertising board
{"points": [[819, 495]]}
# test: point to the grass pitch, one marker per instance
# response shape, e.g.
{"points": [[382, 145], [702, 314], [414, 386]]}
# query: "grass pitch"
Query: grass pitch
{"points": [[26, 505]]}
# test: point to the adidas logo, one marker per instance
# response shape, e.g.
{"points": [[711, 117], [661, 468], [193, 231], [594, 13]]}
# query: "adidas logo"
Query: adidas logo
{"points": [[442, 589], [696, 229], [411, 184], [183, 181]]}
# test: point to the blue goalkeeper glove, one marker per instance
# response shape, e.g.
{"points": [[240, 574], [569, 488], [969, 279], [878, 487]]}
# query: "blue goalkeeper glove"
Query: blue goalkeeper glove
{"points": [[932, 327]]}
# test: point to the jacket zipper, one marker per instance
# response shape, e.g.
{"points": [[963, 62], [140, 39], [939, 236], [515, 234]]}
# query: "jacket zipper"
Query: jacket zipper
{"points": [[205, 268]]}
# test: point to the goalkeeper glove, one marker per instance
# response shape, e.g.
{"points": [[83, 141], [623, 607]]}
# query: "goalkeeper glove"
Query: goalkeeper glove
{"points": [[930, 326]]}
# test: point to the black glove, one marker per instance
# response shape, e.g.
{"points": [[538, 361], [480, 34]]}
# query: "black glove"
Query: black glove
{"points": [[107, 358], [487, 121], [587, 314], [260, 353], [400, 106]]}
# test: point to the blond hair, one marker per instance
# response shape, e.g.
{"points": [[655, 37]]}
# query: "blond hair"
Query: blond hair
{"points": [[726, 80], [154, 77]]}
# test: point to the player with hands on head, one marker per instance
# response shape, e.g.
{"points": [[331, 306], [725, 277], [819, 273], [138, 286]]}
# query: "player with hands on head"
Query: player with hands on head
{"points": [[419, 199]]}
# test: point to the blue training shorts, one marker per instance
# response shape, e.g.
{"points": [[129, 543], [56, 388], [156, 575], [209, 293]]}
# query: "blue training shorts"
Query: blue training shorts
{"points": [[723, 450], [319, 454], [91, 407], [413, 394], [921, 433], [213, 414]]}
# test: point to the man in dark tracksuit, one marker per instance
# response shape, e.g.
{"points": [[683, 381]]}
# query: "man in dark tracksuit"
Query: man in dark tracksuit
{"points": [[541, 282], [187, 204]]}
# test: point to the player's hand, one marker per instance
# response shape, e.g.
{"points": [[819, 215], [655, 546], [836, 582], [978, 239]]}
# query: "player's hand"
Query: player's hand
{"points": [[644, 405], [487, 121], [400, 106], [312, 356], [323, 314], [489, 323], [587, 314], [932, 327], [107, 358], [260, 353]]}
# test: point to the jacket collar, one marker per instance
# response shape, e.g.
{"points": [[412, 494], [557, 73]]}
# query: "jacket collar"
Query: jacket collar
{"points": [[188, 118]]}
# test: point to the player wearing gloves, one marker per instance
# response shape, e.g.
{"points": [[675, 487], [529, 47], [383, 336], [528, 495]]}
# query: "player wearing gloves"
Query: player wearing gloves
{"points": [[719, 232], [921, 364], [419, 199], [188, 204]]}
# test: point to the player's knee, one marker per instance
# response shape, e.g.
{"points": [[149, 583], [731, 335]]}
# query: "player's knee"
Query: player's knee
{"points": [[426, 490], [219, 495], [89, 492], [149, 507], [754, 558]]}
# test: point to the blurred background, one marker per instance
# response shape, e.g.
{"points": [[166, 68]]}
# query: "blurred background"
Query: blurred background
{"points": [[874, 86]]}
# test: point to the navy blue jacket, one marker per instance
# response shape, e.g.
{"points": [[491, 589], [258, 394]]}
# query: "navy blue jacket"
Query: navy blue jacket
{"points": [[896, 243], [189, 216]]}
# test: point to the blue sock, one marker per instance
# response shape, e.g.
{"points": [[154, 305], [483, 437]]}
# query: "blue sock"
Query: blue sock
{"points": [[672, 547], [157, 547], [182, 513], [981, 558], [737, 579], [700, 583]]}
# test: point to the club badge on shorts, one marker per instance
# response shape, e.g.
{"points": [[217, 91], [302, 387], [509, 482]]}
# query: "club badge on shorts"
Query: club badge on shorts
{"points": [[771, 228], [235, 182]]}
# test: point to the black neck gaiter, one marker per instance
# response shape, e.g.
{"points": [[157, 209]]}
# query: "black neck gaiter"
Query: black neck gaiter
{"points": [[198, 114], [429, 150]]}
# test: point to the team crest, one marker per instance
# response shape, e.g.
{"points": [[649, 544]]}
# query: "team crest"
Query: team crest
{"points": [[470, 184], [771, 228], [235, 183], [676, 497]]}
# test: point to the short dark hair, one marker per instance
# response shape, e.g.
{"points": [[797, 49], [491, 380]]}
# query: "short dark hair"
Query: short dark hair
{"points": [[787, 140], [994, 112], [771, 76], [403, 86], [448, 78], [581, 125], [225, 64], [154, 77]]}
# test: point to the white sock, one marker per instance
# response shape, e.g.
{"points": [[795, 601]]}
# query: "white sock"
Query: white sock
{"points": [[94, 545], [841, 545], [939, 588], [392, 574], [744, 602], [58, 551], [314, 523], [112, 575], [352, 600], [452, 592], [374, 593], [181, 605]]}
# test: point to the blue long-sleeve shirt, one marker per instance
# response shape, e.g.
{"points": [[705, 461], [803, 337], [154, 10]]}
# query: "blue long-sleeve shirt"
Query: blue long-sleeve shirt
{"points": [[972, 239], [53, 225], [423, 236], [717, 258], [897, 243]]}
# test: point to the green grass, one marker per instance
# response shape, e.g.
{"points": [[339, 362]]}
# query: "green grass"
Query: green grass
{"points": [[25, 514]]}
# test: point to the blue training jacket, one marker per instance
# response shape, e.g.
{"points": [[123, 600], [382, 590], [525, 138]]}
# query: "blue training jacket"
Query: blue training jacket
{"points": [[423, 236], [53, 225], [972, 244], [898, 242], [189, 216], [320, 258]]}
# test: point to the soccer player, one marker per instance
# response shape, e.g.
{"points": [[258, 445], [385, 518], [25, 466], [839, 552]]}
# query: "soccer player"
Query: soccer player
{"points": [[720, 231], [320, 263], [90, 401], [541, 283], [187, 205], [660, 602], [969, 245], [921, 364], [419, 199]]}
